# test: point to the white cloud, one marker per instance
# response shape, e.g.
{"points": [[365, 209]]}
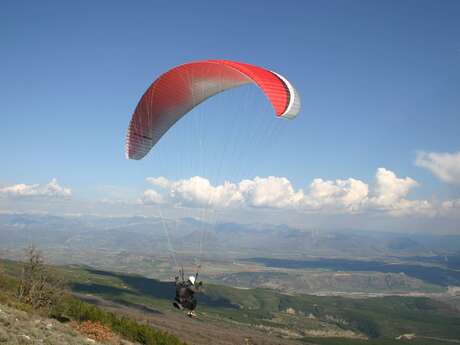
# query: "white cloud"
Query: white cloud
{"points": [[390, 192], [389, 189], [349, 195], [272, 192], [152, 197], [451, 208], [194, 192], [49, 190], [446, 166], [329, 196]]}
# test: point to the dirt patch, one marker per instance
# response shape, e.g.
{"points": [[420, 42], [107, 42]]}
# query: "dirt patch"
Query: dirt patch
{"points": [[96, 331]]}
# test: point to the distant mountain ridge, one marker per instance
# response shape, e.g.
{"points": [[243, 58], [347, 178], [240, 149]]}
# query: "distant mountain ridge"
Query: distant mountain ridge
{"points": [[149, 235]]}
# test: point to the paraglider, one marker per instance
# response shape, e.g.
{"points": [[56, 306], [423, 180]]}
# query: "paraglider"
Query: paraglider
{"points": [[180, 89], [177, 92], [185, 293]]}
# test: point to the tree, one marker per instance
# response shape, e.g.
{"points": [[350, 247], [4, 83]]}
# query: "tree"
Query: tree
{"points": [[37, 287]]}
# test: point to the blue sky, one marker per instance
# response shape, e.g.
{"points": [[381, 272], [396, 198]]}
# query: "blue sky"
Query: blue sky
{"points": [[379, 82]]}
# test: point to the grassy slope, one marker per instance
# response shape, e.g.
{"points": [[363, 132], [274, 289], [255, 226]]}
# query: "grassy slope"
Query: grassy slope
{"points": [[70, 308], [376, 317], [19, 327], [381, 319]]}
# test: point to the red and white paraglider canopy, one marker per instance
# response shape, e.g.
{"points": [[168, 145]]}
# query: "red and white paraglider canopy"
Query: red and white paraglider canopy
{"points": [[180, 89]]}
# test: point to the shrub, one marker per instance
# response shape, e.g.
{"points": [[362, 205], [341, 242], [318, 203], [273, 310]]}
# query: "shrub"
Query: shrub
{"points": [[364, 323], [37, 287], [75, 309]]}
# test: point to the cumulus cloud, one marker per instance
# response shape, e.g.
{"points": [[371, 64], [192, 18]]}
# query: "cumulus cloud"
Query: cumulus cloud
{"points": [[151, 197], [49, 190], [389, 194], [194, 192], [446, 166], [349, 195], [389, 188], [272, 192]]}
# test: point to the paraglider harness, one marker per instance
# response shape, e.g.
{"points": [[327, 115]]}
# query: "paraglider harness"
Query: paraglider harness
{"points": [[185, 292]]}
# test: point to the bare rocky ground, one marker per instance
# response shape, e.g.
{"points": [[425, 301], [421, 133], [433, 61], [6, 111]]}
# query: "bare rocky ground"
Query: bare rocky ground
{"points": [[21, 328]]}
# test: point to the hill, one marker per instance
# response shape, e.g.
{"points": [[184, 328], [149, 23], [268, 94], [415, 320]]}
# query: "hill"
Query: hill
{"points": [[229, 316], [23, 321], [20, 327], [293, 316]]}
